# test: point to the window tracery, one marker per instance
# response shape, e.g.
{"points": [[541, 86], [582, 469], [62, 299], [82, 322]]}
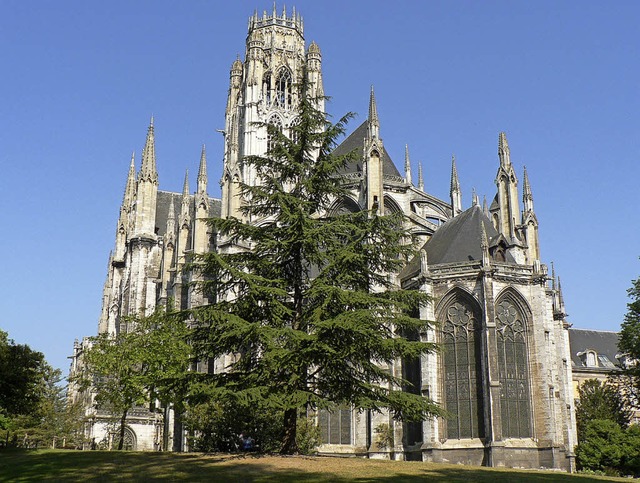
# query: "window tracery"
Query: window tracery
{"points": [[462, 384], [513, 369]]}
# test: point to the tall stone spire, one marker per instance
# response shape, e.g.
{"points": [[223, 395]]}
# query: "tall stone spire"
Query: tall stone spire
{"points": [[374, 122], [148, 171], [454, 191], [420, 179], [202, 171], [407, 165]]}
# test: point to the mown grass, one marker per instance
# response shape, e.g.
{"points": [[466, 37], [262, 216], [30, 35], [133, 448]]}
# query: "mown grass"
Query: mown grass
{"points": [[107, 466]]}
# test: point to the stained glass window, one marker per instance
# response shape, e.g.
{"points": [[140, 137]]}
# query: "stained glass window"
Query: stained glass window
{"points": [[512, 367], [462, 376]]}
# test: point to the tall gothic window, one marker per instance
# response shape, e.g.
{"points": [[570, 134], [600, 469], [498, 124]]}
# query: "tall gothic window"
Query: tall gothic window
{"points": [[463, 382], [512, 362], [335, 426], [284, 87]]}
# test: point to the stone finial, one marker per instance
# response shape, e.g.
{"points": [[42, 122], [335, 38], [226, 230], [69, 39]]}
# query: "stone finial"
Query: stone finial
{"points": [[485, 206], [420, 178], [185, 186]]}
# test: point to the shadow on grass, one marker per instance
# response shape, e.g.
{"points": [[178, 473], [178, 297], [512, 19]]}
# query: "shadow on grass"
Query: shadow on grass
{"points": [[72, 466]]}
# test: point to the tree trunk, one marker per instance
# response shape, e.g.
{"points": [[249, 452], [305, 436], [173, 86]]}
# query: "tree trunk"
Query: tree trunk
{"points": [[289, 445], [123, 421]]}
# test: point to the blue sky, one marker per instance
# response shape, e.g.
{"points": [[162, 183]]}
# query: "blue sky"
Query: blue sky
{"points": [[81, 79]]}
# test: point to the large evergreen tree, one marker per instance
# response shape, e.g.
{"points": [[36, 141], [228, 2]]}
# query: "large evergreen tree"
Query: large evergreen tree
{"points": [[629, 344], [306, 306]]}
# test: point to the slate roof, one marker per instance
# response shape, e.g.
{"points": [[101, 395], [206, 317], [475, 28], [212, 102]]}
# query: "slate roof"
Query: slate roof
{"points": [[164, 200], [457, 240], [355, 141], [604, 343]]}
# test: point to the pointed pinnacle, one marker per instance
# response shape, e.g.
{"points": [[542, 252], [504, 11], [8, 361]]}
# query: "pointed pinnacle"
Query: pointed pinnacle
{"points": [[130, 187], [407, 164], [148, 169], [474, 198], [420, 179], [373, 109], [485, 207], [185, 186], [202, 170], [526, 188], [503, 149], [484, 243], [455, 183], [172, 212]]}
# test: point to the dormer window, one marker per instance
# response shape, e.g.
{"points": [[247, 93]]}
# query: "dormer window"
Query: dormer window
{"points": [[589, 358]]}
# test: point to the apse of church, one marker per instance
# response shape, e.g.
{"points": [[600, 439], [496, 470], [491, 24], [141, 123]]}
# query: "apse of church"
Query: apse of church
{"points": [[502, 373]]}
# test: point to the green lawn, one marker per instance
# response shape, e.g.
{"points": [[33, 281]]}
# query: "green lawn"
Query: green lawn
{"points": [[70, 466]]}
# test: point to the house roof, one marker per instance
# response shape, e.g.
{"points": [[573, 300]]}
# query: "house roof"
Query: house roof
{"points": [[604, 343]]}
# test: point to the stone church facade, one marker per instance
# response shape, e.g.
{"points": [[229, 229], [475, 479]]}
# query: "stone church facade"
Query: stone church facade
{"points": [[504, 372]]}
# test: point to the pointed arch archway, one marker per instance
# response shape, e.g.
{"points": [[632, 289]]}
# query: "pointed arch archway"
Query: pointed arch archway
{"points": [[460, 318], [513, 319]]}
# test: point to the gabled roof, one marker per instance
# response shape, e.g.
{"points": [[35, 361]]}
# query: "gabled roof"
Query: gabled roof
{"points": [[355, 141], [604, 343]]}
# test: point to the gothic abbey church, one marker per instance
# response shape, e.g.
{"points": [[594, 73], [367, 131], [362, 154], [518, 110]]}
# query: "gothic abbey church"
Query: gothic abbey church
{"points": [[504, 372]]}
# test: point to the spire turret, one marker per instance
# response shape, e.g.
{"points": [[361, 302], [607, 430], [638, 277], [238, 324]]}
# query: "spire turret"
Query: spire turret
{"points": [[420, 179], [374, 122], [407, 165], [454, 191], [485, 206]]}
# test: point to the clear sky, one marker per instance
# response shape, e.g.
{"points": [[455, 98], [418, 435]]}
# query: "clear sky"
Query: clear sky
{"points": [[80, 80]]}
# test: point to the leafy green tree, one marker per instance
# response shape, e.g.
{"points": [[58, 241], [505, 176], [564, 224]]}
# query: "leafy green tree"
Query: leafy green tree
{"points": [[309, 315], [143, 361], [22, 377], [598, 400]]}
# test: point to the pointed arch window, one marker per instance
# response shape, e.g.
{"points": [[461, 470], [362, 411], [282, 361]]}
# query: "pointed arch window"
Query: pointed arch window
{"points": [[513, 370], [284, 86], [276, 122], [462, 374]]}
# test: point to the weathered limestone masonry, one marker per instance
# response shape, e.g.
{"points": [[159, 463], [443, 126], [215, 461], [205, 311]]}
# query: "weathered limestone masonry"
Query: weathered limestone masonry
{"points": [[504, 373]]}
